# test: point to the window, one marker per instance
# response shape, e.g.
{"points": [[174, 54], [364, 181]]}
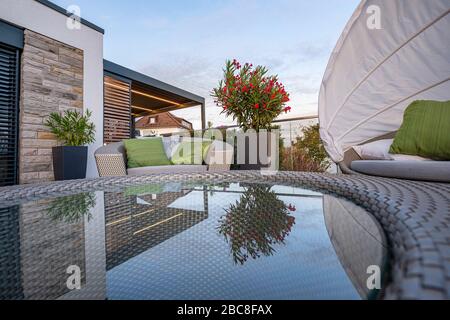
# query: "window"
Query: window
{"points": [[9, 66]]}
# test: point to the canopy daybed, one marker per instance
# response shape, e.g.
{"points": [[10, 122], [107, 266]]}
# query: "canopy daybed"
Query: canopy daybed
{"points": [[390, 54]]}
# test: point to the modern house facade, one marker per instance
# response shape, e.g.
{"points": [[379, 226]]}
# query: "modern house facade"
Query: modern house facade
{"points": [[49, 64]]}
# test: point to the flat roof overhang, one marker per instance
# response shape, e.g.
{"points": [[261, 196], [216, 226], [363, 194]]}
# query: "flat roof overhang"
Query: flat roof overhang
{"points": [[151, 96], [63, 11]]}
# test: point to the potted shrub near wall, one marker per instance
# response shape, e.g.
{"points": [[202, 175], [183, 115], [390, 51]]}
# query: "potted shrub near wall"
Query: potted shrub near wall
{"points": [[74, 130], [251, 97]]}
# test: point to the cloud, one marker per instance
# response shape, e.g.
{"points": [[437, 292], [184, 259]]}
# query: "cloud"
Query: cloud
{"points": [[185, 43], [197, 46], [200, 73]]}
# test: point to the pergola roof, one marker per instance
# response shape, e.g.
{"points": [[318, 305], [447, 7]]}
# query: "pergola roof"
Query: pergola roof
{"points": [[149, 95]]}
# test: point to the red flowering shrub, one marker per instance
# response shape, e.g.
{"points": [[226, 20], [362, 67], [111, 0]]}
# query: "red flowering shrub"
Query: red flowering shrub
{"points": [[254, 229], [251, 97]]}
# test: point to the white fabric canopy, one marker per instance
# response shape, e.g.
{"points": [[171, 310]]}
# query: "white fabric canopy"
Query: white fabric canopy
{"points": [[374, 74]]}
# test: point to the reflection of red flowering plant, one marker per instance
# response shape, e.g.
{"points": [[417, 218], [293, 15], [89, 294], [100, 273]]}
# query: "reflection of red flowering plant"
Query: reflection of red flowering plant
{"points": [[251, 97], [257, 222]]}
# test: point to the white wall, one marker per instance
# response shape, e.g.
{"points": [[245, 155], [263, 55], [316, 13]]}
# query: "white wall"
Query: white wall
{"points": [[34, 16]]}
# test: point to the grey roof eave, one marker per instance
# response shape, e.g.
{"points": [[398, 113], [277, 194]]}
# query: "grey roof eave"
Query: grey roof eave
{"points": [[121, 71], [63, 11]]}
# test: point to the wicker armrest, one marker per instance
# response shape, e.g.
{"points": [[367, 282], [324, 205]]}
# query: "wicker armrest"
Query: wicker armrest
{"points": [[111, 160]]}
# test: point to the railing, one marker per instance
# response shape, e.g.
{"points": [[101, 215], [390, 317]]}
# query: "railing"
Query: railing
{"points": [[290, 128], [293, 156]]}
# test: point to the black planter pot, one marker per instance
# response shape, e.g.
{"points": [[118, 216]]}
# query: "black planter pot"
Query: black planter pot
{"points": [[69, 162]]}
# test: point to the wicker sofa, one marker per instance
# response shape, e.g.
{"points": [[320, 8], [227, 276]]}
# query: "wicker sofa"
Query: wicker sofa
{"points": [[111, 160]]}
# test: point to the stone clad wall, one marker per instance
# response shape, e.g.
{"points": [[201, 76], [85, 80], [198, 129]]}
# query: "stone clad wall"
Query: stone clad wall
{"points": [[51, 81]]}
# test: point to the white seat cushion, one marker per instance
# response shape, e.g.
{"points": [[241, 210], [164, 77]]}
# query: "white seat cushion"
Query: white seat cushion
{"points": [[438, 171], [185, 168]]}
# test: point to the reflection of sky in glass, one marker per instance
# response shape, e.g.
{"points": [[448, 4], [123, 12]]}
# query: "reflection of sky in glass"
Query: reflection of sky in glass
{"points": [[196, 263], [191, 201], [277, 189]]}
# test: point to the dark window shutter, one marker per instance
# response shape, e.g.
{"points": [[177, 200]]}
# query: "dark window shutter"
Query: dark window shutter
{"points": [[9, 88]]}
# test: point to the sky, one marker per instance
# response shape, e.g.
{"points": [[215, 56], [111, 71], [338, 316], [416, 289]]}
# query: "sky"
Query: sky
{"points": [[186, 43]]}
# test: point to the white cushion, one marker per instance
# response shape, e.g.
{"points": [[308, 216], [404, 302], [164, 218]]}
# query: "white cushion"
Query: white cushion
{"points": [[379, 150], [170, 145]]}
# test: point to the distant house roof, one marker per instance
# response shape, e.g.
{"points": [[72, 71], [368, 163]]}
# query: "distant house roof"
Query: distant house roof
{"points": [[163, 120]]}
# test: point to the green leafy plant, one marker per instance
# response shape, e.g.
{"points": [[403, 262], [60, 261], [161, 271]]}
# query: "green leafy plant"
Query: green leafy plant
{"points": [[250, 96], [73, 128], [312, 145], [71, 209], [307, 153]]}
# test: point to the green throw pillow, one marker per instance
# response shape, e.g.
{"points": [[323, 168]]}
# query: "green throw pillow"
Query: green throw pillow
{"points": [[425, 130], [145, 152], [191, 152]]}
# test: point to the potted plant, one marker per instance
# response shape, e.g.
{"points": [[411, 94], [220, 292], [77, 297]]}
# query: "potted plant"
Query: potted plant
{"points": [[74, 130], [250, 96]]}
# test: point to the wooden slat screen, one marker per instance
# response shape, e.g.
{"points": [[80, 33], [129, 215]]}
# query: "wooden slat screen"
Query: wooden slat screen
{"points": [[117, 110]]}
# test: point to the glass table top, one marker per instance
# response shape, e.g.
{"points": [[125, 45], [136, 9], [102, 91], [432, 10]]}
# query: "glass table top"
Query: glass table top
{"points": [[189, 241]]}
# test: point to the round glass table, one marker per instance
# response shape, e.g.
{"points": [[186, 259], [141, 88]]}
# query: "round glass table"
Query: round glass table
{"points": [[182, 240]]}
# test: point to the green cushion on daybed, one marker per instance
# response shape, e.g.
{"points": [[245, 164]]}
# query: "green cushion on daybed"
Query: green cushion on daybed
{"points": [[425, 130], [145, 153]]}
